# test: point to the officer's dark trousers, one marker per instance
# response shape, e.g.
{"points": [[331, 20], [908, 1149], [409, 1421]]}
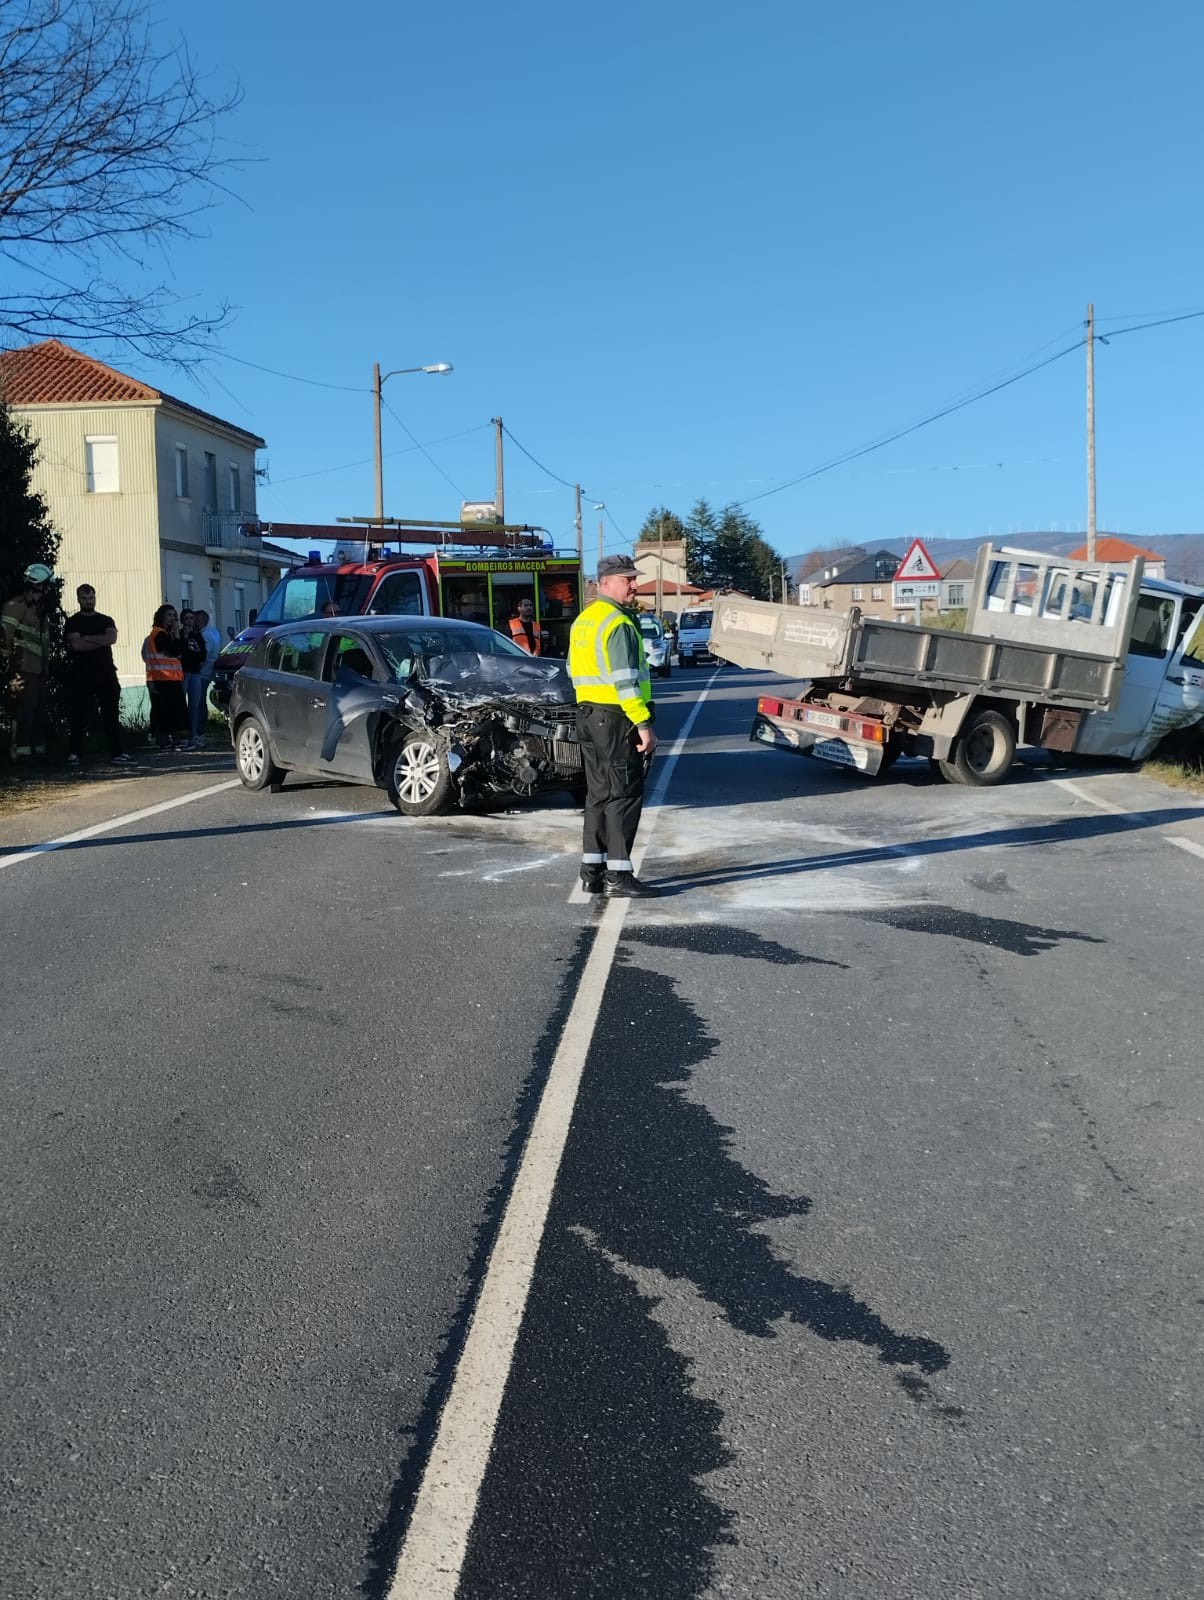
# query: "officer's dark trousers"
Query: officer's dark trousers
{"points": [[614, 777]]}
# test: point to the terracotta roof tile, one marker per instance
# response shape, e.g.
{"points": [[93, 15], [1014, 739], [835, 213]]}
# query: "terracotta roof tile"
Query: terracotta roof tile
{"points": [[54, 374], [1110, 548]]}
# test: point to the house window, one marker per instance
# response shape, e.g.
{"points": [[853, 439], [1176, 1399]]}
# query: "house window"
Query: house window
{"points": [[100, 463], [876, 592], [185, 591], [858, 591], [240, 607], [235, 488], [957, 594], [210, 481], [181, 472]]}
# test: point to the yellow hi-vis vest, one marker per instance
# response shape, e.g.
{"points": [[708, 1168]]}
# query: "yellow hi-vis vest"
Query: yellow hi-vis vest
{"points": [[607, 662]]}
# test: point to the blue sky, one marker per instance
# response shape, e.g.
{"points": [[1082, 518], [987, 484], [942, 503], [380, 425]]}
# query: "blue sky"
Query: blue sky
{"points": [[700, 250]]}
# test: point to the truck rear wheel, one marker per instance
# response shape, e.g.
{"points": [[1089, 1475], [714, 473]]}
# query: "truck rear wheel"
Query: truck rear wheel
{"points": [[984, 753]]}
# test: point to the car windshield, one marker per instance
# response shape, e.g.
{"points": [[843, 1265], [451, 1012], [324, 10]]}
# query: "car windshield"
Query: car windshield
{"points": [[402, 648], [297, 598], [650, 626], [695, 619]]}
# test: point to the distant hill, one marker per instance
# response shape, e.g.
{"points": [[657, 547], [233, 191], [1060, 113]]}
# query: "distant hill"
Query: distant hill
{"points": [[1184, 552]]}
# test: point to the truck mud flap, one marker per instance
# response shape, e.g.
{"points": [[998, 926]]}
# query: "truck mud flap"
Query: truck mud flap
{"points": [[863, 758]]}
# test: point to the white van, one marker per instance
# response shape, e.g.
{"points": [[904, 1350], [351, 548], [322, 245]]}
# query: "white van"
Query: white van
{"points": [[694, 635]]}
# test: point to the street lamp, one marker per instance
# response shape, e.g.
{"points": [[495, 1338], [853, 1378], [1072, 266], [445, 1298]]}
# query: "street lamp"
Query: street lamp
{"points": [[378, 382]]}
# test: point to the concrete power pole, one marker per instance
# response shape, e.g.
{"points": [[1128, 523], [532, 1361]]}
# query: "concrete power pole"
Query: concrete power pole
{"points": [[380, 470], [580, 532], [1091, 433], [660, 571], [500, 496]]}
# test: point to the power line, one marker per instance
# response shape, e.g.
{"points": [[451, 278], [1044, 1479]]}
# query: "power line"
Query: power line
{"points": [[1161, 322], [539, 464], [424, 451], [407, 450], [900, 433], [316, 383]]}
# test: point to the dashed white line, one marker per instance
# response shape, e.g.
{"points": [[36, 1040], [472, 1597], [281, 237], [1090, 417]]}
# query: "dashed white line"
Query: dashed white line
{"points": [[115, 822], [432, 1556]]}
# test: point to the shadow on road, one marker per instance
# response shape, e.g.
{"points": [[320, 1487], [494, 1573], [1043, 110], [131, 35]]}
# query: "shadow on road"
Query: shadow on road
{"points": [[597, 1485]]}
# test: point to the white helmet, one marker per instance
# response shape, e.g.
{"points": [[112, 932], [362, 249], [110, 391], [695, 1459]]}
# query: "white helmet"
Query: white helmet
{"points": [[38, 572]]}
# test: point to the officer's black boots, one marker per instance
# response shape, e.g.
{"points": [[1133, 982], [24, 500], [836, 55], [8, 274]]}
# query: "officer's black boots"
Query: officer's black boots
{"points": [[626, 886]]}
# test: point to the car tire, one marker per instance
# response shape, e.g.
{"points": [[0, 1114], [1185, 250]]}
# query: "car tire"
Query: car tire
{"points": [[417, 776], [253, 755]]}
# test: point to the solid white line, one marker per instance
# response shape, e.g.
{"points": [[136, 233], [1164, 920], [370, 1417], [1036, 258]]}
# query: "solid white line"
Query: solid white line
{"points": [[1119, 811], [1092, 800], [1185, 844], [116, 822], [432, 1557]]}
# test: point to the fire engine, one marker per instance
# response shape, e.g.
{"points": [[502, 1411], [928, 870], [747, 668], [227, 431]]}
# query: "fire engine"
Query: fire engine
{"points": [[477, 575]]}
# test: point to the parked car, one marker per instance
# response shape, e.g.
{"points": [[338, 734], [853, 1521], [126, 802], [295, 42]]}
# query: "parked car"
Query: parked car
{"points": [[656, 645], [435, 711], [694, 635]]}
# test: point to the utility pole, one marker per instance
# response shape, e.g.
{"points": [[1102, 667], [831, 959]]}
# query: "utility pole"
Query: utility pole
{"points": [[601, 531], [500, 496], [380, 470], [580, 532], [660, 571], [1090, 433]]}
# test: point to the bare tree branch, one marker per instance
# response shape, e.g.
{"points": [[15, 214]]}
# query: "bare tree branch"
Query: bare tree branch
{"points": [[108, 149]]}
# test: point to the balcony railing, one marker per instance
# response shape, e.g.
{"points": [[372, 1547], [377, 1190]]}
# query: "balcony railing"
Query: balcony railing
{"points": [[233, 530]]}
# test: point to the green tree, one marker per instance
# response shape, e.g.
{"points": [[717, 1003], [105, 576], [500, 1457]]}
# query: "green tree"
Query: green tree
{"points": [[701, 527], [661, 523], [26, 536]]}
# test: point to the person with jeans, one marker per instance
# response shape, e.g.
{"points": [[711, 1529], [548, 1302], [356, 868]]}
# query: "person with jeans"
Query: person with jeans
{"points": [[614, 729], [92, 685], [192, 660]]}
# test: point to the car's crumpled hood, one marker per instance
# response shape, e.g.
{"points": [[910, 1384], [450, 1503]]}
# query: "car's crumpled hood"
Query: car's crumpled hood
{"points": [[476, 680]]}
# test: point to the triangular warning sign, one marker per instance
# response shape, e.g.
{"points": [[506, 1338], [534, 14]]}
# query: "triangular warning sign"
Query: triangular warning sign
{"points": [[917, 563]]}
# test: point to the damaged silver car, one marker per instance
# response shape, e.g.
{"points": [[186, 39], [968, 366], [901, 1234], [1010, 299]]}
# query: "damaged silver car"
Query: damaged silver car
{"points": [[436, 712]]}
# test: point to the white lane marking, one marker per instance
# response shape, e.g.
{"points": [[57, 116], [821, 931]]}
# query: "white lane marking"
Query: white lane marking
{"points": [[1185, 844], [116, 822], [577, 895], [432, 1556], [1092, 800], [1106, 805]]}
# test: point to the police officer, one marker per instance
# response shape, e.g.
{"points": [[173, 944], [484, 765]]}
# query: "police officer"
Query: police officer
{"points": [[23, 640], [614, 725]]}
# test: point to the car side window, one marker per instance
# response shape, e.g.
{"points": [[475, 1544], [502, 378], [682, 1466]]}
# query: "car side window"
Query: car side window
{"points": [[347, 651], [398, 595], [297, 653]]}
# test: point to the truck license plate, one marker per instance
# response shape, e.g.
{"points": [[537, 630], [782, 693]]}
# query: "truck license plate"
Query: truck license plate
{"points": [[823, 719]]}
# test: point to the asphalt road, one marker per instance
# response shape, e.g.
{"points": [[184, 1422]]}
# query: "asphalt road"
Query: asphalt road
{"points": [[872, 1266]]}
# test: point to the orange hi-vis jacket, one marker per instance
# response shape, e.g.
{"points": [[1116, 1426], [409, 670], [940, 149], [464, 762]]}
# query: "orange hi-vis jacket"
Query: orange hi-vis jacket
{"points": [[518, 633], [159, 668]]}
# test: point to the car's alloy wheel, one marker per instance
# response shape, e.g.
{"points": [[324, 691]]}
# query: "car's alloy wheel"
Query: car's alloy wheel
{"points": [[253, 756], [420, 784]]}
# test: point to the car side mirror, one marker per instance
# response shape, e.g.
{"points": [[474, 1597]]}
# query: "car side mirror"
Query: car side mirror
{"points": [[252, 616]]}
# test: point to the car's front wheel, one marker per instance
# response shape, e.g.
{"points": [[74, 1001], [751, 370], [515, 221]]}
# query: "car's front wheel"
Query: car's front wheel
{"points": [[253, 755], [417, 777]]}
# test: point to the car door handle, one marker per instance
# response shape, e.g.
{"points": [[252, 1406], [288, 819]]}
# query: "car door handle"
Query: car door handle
{"points": [[317, 703], [268, 693]]}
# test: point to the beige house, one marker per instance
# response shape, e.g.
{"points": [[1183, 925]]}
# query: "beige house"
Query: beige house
{"points": [[153, 498]]}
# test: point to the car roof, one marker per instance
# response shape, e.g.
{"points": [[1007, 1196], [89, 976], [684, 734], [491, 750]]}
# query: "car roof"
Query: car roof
{"points": [[361, 624]]}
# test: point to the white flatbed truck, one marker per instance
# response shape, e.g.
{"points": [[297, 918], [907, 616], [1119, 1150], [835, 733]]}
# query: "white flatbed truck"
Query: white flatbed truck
{"points": [[1090, 659]]}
